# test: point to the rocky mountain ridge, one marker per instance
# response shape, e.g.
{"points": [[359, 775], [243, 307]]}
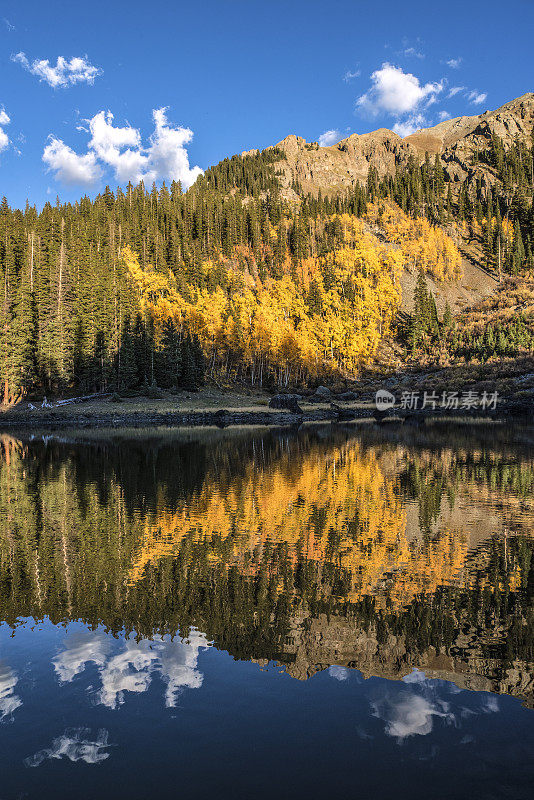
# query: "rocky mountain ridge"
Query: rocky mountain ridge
{"points": [[339, 167]]}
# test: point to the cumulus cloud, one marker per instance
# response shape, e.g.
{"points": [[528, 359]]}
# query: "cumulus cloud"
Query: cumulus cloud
{"points": [[443, 115], [411, 712], [476, 97], [64, 73], [9, 701], [132, 670], [4, 138], [329, 138], [121, 149], [75, 746], [69, 167], [396, 92], [81, 648], [454, 63], [108, 143], [407, 715]]}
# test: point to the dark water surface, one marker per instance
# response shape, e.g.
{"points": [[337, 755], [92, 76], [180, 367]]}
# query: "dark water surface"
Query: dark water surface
{"points": [[250, 614]]}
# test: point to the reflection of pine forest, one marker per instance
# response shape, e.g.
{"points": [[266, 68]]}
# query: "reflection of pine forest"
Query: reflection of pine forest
{"points": [[419, 548]]}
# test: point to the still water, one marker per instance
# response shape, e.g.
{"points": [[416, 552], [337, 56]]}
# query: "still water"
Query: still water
{"points": [[249, 614]]}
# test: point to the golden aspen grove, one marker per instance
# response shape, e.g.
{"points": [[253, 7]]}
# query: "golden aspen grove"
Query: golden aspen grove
{"points": [[322, 315]]}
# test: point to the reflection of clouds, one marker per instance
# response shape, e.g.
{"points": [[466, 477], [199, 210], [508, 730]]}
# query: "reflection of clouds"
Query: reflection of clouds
{"points": [[489, 704], [407, 715], [410, 707], [132, 669], [75, 746], [9, 701], [339, 673], [81, 648]]}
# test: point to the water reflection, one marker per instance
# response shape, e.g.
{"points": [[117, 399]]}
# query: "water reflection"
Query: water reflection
{"points": [[381, 550], [165, 597], [132, 668], [75, 745], [9, 700]]}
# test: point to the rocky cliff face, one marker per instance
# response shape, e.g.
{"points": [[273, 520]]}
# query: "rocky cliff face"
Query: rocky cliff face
{"points": [[333, 169], [339, 167]]}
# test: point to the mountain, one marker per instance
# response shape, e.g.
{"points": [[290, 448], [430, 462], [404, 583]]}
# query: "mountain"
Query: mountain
{"points": [[281, 267], [456, 141]]}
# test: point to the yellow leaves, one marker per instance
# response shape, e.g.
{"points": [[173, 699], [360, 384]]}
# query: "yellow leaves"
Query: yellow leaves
{"points": [[422, 245], [282, 505], [152, 285], [272, 325]]}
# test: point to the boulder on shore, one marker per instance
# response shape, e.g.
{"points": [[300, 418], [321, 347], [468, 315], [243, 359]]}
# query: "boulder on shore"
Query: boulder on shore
{"points": [[287, 401], [321, 395]]}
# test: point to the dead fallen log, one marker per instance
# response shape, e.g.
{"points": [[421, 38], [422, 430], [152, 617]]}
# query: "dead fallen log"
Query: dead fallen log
{"points": [[83, 399]]}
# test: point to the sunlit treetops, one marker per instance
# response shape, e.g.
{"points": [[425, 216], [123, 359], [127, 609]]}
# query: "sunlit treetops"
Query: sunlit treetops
{"points": [[67, 297], [323, 313]]}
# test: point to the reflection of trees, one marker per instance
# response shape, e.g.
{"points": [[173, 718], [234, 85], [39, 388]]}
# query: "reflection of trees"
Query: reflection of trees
{"points": [[243, 536]]}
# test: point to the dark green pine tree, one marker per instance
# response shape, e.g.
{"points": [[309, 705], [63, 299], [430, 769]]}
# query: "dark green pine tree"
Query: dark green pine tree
{"points": [[169, 362], [127, 372]]}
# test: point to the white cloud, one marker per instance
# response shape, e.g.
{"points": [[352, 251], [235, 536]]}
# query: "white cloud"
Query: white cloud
{"points": [[329, 138], [443, 115], [410, 125], [9, 701], [454, 90], [411, 52], [65, 73], [8, 25], [396, 92], [4, 138], [68, 166], [351, 74], [167, 157], [107, 143], [454, 63], [476, 97], [75, 747], [121, 149]]}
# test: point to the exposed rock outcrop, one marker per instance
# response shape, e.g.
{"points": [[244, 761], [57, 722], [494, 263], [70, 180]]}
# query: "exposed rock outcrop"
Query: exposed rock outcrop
{"points": [[336, 168]]}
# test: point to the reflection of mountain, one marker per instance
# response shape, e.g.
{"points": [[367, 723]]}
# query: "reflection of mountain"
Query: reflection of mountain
{"points": [[384, 551]]}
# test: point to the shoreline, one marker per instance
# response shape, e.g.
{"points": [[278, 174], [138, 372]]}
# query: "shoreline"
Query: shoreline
{"points": [[239, 407], [224, 418]]}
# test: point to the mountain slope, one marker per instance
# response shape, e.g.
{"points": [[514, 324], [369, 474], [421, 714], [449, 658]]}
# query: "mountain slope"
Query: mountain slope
{"points": [[339, 167]]}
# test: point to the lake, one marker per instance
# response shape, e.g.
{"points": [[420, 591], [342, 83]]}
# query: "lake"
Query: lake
{"points": [[331, 611]]}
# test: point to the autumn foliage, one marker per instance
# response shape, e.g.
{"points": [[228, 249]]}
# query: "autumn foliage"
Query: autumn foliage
{"points": [[424, 247], [324, 314], [312, 511]]}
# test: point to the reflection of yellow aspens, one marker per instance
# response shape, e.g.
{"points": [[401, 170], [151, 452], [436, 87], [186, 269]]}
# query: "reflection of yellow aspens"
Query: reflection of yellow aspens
{"points": [[336, 508]]}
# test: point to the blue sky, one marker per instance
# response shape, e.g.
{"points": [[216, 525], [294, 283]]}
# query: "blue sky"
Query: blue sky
{"points": [[232, 75]]}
